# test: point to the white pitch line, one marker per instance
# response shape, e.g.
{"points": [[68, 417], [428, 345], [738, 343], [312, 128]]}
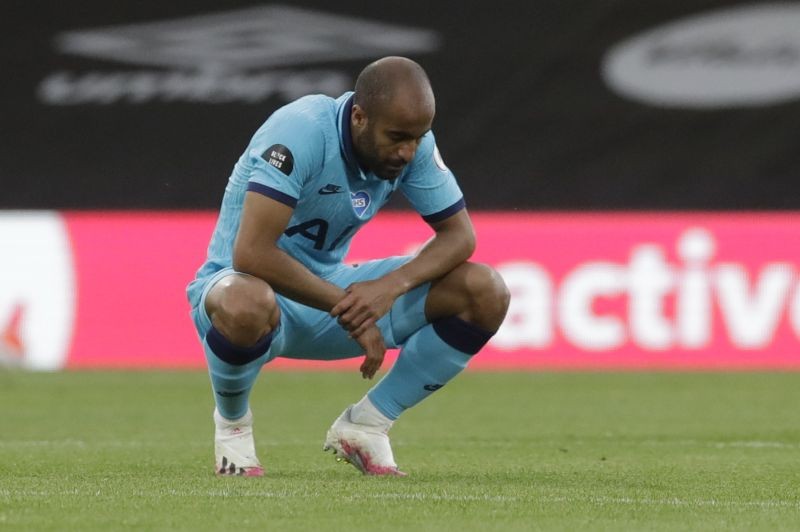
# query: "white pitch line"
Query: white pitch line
{"points": [[422, 497], [262, 494], [757, 444], [621, 440], [680, 502], [12, 444], [751, 444], [435, 497]]}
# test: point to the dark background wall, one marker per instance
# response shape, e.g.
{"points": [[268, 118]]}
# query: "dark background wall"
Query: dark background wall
{"points": [[134, 104]]}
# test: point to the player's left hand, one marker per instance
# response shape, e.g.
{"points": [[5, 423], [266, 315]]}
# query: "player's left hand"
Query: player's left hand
{"points": [[374, 351], [365, 303]]}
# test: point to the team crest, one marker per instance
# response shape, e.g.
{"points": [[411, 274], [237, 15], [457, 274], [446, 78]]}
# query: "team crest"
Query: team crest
{"points": [[360, 202]]}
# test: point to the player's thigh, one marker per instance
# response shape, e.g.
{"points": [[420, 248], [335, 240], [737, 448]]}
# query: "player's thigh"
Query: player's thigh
{"points": [[311, 334], [308, 333], [472, 291], [407, 315]]}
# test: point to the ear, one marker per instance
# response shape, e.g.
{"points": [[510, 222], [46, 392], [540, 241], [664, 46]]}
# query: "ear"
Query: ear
{"points": [[358, 117]]}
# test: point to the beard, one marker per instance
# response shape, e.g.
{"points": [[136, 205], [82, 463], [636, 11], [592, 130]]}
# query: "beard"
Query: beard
{"points": [[367, 153]]}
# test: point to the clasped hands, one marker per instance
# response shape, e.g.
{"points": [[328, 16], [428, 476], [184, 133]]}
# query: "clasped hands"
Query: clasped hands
{"points": [[358, 311]]}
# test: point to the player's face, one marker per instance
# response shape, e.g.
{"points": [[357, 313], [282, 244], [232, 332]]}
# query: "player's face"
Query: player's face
{"points": [[387, 141]]}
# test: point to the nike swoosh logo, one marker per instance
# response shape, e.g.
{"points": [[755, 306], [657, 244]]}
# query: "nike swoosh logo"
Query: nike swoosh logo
{"points": [[330, 190]]}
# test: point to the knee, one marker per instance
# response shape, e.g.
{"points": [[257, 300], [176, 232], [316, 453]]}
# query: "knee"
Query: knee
{"points": [[244, 311], [487, 292]]}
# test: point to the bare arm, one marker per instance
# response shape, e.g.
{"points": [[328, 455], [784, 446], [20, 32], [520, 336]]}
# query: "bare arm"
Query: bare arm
{"points": [[366, 302], [453, 243], [256, 252]]}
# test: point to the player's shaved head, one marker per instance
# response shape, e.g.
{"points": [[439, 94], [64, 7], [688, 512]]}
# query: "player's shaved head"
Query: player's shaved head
{"points": [[386, 80], [393, 109]]}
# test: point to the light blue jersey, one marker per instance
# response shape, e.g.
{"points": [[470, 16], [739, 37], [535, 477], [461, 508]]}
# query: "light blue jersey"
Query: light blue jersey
{"points": [[303, 157]]}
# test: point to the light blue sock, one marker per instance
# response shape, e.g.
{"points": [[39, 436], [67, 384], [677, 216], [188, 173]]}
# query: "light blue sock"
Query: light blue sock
{"points": [[430, 358], [232, 383]]}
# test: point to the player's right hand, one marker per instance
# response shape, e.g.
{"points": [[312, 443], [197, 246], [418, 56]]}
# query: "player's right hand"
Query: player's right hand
{"points": [[374, 351]]}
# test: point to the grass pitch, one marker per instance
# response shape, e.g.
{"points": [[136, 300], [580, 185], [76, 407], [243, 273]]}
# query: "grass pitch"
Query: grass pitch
{"points": [[496, 451]]}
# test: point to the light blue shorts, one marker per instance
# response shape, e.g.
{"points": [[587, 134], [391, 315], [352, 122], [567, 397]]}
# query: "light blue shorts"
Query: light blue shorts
{"points": [[308, 333]]}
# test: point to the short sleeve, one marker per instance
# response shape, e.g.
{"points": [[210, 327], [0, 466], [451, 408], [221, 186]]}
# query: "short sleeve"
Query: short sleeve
{"points": [[430, 186], [283, 155]]}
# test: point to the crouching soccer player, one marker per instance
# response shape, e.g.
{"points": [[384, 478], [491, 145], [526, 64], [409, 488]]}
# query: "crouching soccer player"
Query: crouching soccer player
{"points": [[274, 283]]}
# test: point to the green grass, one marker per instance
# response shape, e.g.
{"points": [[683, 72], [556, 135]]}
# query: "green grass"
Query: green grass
{"points": [[571, 451]]}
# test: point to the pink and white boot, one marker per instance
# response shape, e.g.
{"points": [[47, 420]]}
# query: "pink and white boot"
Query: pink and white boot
{"points": [[365, 446]]}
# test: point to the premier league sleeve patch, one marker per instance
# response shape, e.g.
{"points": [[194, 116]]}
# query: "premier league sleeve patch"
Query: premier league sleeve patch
{"points": [[437, 158], [280, 157]]}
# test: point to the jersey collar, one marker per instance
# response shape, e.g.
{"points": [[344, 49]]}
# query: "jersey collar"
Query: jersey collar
{"points": [[345, 137]]}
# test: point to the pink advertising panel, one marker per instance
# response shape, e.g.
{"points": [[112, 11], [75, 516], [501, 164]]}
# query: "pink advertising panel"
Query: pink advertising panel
{"points": [[589, 291]]}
